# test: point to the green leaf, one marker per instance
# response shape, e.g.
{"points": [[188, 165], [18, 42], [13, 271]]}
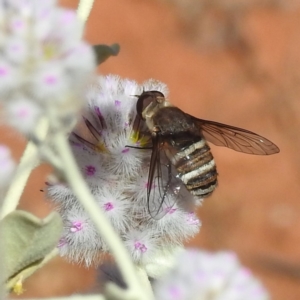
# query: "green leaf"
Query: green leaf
{"points": [[103, 52], [15, 282], [27, 243]]}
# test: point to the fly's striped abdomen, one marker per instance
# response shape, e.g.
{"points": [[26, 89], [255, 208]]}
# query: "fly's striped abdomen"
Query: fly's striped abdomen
{"points": [[196, 168]]}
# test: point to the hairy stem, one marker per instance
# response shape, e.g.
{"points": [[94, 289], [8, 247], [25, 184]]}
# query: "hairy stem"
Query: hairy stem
{"points": [[28, 162], [143, 276], [84, 10]]}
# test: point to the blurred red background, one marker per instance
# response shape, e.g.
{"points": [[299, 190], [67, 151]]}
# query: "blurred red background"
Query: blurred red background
{"points": [[236, 63]]}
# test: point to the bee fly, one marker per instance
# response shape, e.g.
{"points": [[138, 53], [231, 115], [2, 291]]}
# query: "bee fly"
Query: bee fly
{"points": [[180, 153]]}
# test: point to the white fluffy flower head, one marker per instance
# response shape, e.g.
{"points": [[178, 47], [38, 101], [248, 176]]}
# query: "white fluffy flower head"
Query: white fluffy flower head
{"points": [[43, 61], [118, 176], [201, 275]]}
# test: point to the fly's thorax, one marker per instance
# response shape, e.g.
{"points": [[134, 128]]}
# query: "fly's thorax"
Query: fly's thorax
{"points": [[173, 121]]}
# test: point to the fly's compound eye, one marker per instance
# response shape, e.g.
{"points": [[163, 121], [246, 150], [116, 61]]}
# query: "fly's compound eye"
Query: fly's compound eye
{"points": [[145, 99]]}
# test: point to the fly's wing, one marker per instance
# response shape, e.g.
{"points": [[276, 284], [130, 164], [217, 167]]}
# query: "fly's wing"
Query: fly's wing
{"points": [[163, 186], [235, 138], [140, 135]]}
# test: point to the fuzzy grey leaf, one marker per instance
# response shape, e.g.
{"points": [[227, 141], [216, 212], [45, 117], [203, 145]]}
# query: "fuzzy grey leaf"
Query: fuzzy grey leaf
{"points": [[26, 240]]}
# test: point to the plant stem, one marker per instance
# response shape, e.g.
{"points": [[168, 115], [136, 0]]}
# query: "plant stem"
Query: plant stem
{"points": [[81, 190], [84, 10], [28, 162], [143, 276]]}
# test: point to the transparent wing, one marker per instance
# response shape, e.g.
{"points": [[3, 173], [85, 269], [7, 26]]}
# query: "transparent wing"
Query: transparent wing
{"points": [[163, 185], [140, 133], [235, 138]]}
